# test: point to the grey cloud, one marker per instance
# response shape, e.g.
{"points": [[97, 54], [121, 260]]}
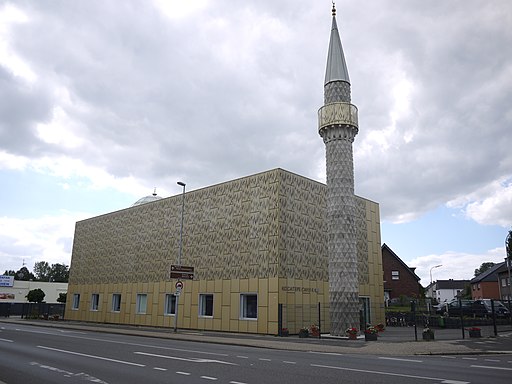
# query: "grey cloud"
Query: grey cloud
{"points": [[160, 98]]}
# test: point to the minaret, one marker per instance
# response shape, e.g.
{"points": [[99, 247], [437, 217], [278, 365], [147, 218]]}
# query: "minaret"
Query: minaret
{"points": [[337, 125]]}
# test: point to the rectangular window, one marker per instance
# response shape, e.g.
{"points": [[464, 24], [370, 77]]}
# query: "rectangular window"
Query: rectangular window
{"points": [[504, 282], [206, 305], [95, 301], [248, 306], [116, 302], [170, 304], [395, 275], [142, 302], [76, 301]]}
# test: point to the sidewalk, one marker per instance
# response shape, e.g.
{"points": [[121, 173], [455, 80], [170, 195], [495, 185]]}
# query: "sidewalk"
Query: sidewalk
{"points": [[393, 341]]}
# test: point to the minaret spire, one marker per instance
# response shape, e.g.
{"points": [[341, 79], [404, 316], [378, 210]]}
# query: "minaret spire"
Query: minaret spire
{"points": [[338, 126], [336, 65]]}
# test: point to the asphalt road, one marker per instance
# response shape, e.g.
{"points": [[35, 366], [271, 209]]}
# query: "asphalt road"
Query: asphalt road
{"points": [[57, 355]]}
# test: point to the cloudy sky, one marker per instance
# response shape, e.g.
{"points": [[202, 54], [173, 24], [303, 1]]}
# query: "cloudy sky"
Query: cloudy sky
{"points": [[101, 101]]}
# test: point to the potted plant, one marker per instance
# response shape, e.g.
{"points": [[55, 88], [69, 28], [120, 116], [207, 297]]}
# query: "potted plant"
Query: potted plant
{"points": [[428, 334], [304, 332], [370, 333], [475, 332], [351, 333], [380, 327], [314, 330]]}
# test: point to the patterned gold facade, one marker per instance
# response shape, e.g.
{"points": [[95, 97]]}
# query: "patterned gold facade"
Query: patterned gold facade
{"points": [[263, 234]]}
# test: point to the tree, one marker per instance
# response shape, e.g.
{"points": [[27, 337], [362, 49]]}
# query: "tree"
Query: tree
{"points": [[59, 273], [62, 297], [10, 273], [42, 271], [466, 293], [484, 267], [24, 274], [35, 295]]}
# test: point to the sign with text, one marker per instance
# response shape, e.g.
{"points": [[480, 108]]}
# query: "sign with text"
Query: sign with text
{"points": [[6, 281], [182, 272]]}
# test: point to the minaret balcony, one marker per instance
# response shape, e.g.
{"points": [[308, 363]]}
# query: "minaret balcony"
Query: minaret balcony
{"points": [[337, 114]]}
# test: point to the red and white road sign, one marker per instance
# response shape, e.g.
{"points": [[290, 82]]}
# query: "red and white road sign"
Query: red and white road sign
{"points": [[179, 284]]}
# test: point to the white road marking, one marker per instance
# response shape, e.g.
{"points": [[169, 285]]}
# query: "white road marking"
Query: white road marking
{"points": [[262, 359], [327, 353], [399, 359], [83, 376], [243, 357], [7, 340], [445, 381], [492, 360], [192, 360], [469, 358], [236, 382], [487, 367], [123, 342], [449, 357], [208, 378], [159, 369], [290, 362], [91, 356], [183, 373]]}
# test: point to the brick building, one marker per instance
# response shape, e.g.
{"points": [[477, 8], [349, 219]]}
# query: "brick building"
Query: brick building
{"points": [[399, 279]]}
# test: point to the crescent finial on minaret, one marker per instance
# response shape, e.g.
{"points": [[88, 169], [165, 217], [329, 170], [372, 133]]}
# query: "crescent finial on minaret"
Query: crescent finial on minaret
{"points": [[333, 8]]}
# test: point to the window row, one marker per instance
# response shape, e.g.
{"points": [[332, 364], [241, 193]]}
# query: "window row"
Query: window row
{"points": [[248, 304]]}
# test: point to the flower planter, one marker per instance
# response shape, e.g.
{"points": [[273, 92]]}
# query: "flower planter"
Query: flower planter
{"points": [[370, 337], [303, 333], [352, 336], [475, 333]]}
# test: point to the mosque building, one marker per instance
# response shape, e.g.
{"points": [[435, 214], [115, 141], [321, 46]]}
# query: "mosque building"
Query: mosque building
{"points": [[259, 254]]}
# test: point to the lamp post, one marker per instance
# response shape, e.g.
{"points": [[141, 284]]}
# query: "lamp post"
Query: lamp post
{"points": [[180, 183], [435, 266]]}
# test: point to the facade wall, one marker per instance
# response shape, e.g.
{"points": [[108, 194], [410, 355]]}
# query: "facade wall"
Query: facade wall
{"points": [[485, 290], [262, 234], [398, 278], [20, 289]]}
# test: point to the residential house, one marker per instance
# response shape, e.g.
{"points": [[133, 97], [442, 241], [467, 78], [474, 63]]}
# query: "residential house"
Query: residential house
{"points": [[446, 290], [485, 285], [399, 279]]}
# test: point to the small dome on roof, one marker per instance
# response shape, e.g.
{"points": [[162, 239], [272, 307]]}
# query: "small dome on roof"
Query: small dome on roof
{"points": [[147, 199]]}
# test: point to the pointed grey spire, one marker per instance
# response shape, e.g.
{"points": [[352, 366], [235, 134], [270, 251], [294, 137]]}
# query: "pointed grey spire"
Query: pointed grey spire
{"points": [[336, 66]]}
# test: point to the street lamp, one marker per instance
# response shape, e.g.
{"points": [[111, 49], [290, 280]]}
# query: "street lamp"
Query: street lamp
{"points": [[180, 183], [435, 266]]}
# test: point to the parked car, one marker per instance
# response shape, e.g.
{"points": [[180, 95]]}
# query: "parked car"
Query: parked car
{"points": [[476, 308], [483, 308], [452, 308]]}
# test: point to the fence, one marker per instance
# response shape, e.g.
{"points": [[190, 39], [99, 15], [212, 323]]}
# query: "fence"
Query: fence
{"points": [[32, 310], [292, 318], [462, 316]]}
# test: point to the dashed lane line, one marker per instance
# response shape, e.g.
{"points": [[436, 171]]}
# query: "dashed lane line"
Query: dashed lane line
{"points": [[208, 378], [183, 373], [400, 359], [7, 340]]}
